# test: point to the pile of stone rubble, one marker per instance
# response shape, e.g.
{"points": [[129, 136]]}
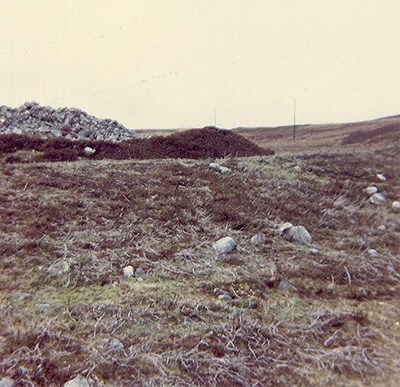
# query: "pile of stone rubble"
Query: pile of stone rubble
{"points": [[71, 123]]}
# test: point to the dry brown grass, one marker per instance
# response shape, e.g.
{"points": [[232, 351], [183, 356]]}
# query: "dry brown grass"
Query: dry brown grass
{"points": [[346, 137], [337, 325]]}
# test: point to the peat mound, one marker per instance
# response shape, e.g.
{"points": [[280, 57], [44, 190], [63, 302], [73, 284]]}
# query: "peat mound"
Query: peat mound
{"points": [[204, 143], [209, 142]]}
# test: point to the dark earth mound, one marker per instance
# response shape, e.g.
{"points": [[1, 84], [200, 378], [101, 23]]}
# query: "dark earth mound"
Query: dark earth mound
{"points": [[209, 142]]}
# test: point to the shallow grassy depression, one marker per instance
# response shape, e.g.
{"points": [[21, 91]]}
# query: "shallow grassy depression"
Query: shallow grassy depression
{"points": [[327, 313]]}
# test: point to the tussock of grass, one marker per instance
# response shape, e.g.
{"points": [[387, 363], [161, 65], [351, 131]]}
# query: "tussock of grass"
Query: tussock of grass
{"points": [[335, 325]]}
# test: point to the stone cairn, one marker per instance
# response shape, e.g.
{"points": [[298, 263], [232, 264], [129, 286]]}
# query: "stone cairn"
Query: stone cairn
{"points": [[71, 123]]}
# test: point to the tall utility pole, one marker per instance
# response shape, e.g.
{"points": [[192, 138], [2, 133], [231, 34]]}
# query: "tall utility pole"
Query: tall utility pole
{"points": [[215, 117], [294, 120]]}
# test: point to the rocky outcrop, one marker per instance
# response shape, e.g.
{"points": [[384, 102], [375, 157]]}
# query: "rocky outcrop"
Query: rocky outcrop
{"points": [[47, 122]]}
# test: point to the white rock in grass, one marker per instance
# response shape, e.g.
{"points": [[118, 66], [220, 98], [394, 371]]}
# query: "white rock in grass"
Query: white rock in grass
{"points": [[219, 168], [139, 272], [214, 166], [340, 202], [371, 190], [396, 205], [257, 239], [78, 381], [89, 151], [284, 228], [381, 177], [224, 297], [128, 271], [116, 345], [299, 234], [223, 169], [224, 245], [21, 297], [285, 285], [59, 268], [7, 382], [377, 199], [373, 253], [382, 227], [44, 308]]}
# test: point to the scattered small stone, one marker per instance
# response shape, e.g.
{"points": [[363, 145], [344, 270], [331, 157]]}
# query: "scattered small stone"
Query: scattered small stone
{"points": [[373, 253], [219, 168], [284, 228], [285, 285], [139, 279], [3, 341], [235, 314], [378, 199], [7, 382], [382, 227], [371, 190], [139, 272], [339, 202], [89, 151], [128, 271], [396, 205], [44, 308], [20, 297], [257, 239], [59, 268], [299, 234], [220, 291], [116, 345], [381, 177], [78, 381], [225, 297], [224, 245], [223, 169], [297, 168], [313, 251]]}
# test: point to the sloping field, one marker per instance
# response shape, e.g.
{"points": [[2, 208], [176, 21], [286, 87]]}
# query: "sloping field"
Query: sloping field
{"points": [[345, 137], [267, 314]]}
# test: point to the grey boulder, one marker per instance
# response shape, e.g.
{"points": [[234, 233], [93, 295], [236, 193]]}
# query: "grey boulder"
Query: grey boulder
{"points": [[378, 199], [299, 234], [7, 382], [78, 381], [224, 245]]}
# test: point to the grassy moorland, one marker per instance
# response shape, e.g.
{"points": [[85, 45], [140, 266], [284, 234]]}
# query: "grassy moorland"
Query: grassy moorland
{"points": [[68, 229], [341, 137]]}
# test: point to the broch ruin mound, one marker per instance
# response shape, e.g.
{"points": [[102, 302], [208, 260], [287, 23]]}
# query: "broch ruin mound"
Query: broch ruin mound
{"points": [[33, 119]]}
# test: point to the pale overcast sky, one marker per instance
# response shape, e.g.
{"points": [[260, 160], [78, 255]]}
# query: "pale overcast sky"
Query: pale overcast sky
{"points": [[169, 63]]}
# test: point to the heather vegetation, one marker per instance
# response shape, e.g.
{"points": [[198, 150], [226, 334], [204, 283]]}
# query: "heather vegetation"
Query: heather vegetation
{"points": [[269, 313], [359, 136], [192, 144]]}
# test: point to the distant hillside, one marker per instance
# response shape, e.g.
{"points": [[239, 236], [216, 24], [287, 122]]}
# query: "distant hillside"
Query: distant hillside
{"points": [[373, 133]]}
